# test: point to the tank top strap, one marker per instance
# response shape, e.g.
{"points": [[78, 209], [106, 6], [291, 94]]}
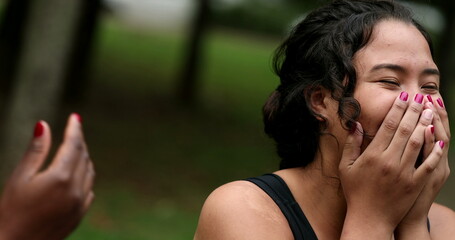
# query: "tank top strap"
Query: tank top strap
{"points": [[277, 189]]}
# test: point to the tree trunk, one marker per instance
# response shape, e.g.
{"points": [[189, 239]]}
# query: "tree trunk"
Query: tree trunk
{"points": [[76, 81], [189, 73], [445, 52], [37, 89], [11, 29]]}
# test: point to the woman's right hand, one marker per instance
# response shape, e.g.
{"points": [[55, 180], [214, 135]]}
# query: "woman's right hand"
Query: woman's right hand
{"points": [[415, 222], [48, 204], [381, 184]]}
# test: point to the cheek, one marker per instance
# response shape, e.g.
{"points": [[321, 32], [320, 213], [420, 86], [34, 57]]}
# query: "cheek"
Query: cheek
{"points": [[374, 110], [371, 118]]}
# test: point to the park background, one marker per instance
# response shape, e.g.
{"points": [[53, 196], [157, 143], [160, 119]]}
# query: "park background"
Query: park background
{"points": [[170, 92]]}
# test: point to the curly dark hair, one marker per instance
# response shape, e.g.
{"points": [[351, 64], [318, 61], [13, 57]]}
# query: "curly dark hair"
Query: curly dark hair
{"points": [[319, 53]]}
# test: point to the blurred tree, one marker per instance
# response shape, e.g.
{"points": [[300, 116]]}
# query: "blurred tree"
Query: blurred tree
{"points": [[11, 29], [261, 16], [76, 75], [47, 39], [189, 73], [445, 49]]}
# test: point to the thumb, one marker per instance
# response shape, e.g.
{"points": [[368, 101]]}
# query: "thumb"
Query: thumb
{"points": [[351, 149], [36, 152]]}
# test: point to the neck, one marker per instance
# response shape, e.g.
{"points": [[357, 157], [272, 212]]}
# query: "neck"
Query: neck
{"points": [[318, 191]]}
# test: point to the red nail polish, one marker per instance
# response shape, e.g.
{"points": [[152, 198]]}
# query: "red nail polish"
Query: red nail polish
{"points": [[430, 99], [39, 129], [418, 98], [432, 129], [441, 104], [404, 96], [78, 117], [441, 144]]}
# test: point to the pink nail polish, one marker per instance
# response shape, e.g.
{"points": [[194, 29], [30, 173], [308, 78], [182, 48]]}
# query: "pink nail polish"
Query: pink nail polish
{"points": [[432, 129], [441, 144], [39, 129], [418, 98], [441, 104], [404, 96], [430, 99], [78, 117]]}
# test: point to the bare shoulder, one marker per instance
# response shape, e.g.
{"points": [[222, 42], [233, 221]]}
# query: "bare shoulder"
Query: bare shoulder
{"points": [[442, 222], [241, 210]]}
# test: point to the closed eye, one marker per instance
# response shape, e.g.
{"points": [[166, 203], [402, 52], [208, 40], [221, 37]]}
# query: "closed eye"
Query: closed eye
{"points": [[390, 82], [430, 89], [433, 87]]}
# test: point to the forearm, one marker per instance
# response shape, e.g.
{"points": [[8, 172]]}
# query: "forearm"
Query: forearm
{"points": [[417, 231], [365, 227]]}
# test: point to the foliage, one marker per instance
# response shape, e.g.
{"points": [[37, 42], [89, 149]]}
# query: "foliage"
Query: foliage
{"points": [[156, 161], [267, 17]]}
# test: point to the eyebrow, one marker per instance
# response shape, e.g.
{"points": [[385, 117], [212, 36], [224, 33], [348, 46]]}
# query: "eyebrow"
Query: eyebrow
{"points": [[398, 68]]}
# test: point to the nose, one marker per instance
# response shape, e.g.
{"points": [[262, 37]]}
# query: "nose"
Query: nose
{"points": [[418, 94]]}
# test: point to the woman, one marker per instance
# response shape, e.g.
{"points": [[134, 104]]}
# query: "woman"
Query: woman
{"points": [[361, 130], [48, 203]]}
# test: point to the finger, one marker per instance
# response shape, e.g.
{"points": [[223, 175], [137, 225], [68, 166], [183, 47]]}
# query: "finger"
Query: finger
{"points": [[73, 147], [444, 119], [36, 152], [430, 163], [416, 141], [429, 133], [429, 141], [407, 126], [85, 176], [89, 178], [442, 129], [391, 122], [427, 146], [81, 173], [351, 149], [88, 202]]}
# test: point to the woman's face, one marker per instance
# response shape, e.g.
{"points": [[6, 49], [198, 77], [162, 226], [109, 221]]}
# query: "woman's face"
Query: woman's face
{"points": [[396, 59]]}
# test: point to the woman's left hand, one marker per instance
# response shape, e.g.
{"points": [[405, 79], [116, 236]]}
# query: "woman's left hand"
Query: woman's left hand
{"points": [[415, 221], [48, 204]]}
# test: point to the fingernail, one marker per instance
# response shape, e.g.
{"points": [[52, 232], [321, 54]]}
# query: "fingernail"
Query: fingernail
{"points": [[441, 104], [78, 117], [418, 98], [404, 96], [432, 129], [430, 99], [39, 129], [441, 144], [428, 114]]}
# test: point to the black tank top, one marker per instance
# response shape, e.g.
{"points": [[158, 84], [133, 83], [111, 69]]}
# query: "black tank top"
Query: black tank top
{"points": [[277, 189]]}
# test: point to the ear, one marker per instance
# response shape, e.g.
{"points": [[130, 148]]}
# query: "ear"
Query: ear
{"points": [[321, 103]]}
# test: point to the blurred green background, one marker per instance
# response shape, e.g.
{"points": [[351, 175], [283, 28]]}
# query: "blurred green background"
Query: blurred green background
{"points": [[160, 146]]}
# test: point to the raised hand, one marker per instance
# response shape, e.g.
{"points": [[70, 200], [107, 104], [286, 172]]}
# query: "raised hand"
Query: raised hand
{"points": [[415, 222], [381, 184], [48, 204]]}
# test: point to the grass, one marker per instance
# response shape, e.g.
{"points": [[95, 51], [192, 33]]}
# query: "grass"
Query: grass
{"points": [[156, 160]]}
